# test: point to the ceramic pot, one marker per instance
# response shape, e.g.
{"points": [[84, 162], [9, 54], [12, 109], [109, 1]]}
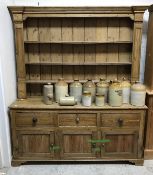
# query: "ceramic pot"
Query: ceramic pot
{"points": [[48, 94], [61, 89], [76, 90], [115, 94], [138, 94], [86, 98], [102, 88], [126, 88], [67, 101], [100, 100], [90, 87]]}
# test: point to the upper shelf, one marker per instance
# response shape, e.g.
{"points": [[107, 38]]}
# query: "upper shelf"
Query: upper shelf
{"points": [[77, 42], [79, 64]]}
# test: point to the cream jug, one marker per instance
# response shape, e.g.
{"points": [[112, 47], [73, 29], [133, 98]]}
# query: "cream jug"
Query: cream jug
{"points": [[126, 87], [48, 94], [61, 89], [86, 98], [67, 101], [115, 94], [90, 87], [76, 90], [138, 94], [102, 88]]}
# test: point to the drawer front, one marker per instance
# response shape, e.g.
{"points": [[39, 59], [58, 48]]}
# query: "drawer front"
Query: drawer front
{"points": [[120, 120], [34, 119], [77, 119]]}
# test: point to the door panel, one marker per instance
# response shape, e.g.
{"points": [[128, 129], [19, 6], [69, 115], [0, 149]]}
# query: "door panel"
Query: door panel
{"points": [[123, 144], [35, 144], [76, 144]]}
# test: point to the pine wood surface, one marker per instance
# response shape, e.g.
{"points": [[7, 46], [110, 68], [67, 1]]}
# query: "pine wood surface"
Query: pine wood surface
{"points": [[32, 103], [72, 130], [148, 79], [75, 42]]}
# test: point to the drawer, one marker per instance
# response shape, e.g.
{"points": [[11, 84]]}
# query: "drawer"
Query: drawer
{"points": [[77, 119], [120, 120], [34, 119]]}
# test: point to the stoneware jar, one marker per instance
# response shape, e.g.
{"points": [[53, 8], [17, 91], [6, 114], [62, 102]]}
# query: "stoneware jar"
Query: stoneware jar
{"points": [[90, 86], [48, 94], [67, 101], [61, 89], [115, 94], [86, 98], [100, 100], [138, 94], [102, 88], [76, 90], [126, 88]]}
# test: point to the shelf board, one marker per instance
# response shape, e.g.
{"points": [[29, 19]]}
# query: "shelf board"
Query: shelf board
{"points": [[79, 64], [77, 42], [37, 103], [54, 81]]}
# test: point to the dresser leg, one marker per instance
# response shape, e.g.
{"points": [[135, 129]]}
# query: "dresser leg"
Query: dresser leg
{"points": [[15, 163], [139, 162]]}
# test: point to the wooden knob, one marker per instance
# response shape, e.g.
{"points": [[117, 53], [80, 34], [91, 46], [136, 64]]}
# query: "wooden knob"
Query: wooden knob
{"points": [[34, 121], [120, 122], [77, 120]]}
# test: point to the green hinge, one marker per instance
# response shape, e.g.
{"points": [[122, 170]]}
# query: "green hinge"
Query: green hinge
{"points": [[54, 148], [99, 141]]}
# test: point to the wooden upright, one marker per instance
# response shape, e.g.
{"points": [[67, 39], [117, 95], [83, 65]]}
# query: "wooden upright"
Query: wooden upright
{"points": [[75, 42], [148, 153]]}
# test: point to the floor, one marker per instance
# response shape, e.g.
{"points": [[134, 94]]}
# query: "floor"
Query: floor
{"points": [[81, 169]]}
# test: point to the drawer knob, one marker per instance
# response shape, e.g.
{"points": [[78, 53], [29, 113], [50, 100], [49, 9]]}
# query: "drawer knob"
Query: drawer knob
{"points": [[34, 121], [120, 122], [77, 120]]}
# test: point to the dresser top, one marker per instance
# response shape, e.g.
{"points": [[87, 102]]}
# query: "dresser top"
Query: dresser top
{"points": [[37, 103]]}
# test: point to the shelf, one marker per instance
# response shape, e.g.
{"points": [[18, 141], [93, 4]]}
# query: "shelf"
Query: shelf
{"points": [[77, 42], [53, 81], [79, 64], [37, 103]]}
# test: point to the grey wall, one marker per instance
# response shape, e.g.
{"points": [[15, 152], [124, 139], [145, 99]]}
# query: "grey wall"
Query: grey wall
{"points": [[7, 80]]}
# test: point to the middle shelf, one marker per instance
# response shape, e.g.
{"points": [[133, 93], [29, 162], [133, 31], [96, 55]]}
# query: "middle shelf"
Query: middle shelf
{"points": [[78, 64]]}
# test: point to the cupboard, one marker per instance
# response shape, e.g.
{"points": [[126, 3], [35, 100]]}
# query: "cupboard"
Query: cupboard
{"points": [[75, 42]]}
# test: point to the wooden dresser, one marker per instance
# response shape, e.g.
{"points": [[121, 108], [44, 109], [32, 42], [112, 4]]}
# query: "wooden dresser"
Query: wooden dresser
{"points": [[148, 152], [75, 42]]}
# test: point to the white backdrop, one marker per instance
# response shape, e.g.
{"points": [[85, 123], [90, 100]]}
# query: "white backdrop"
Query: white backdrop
{"points": [[7, 60]]}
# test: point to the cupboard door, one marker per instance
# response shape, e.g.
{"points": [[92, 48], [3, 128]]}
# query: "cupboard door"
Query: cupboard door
{"points": [[36, 144], [77, 144], [123, 144]]}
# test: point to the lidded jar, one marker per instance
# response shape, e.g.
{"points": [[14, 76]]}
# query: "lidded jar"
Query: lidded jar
{"points": [[86, 98], [90, 86], [138, 94], [61, 89], [126, 88], [76, 90], [115, 94], [102, 88]]}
